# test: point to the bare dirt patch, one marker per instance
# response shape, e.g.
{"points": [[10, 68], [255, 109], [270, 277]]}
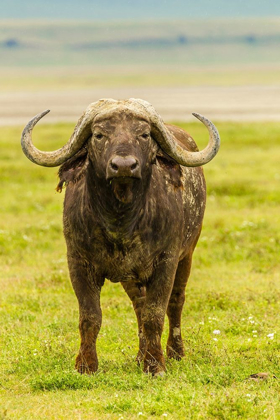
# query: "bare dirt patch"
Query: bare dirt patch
{"points": [[244, 103]]}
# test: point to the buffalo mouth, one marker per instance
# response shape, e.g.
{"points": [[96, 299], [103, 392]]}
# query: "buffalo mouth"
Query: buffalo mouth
{"points": [[123, 188]]}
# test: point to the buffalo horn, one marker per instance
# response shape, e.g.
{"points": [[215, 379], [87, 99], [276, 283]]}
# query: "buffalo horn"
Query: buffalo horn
{"points": [[144, 109], [168, 143], [80, 135]]}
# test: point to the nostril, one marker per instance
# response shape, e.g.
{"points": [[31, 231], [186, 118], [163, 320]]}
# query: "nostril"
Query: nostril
{"points": [[134, 166]]}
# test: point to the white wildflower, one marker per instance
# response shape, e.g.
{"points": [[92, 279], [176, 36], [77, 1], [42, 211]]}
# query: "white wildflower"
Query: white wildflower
{"points": [[217, 332], [249, 399]]}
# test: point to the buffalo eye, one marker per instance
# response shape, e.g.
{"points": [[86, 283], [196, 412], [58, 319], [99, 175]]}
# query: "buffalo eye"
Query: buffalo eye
{"points": [[145, 135], [98, 136]]}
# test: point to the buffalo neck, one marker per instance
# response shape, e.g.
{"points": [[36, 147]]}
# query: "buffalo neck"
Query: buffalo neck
{"points": [[119, 220]]}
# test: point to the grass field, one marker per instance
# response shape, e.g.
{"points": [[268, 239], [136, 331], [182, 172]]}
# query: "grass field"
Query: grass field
{"points": [[234, 289]]}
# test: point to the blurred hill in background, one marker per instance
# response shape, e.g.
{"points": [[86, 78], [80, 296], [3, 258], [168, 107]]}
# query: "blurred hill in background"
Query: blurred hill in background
{"points": [[178, 52], [189, 42], [141, 58]]}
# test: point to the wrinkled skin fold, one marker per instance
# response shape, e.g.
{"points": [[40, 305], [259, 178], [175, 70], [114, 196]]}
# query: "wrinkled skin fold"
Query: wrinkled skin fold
{"points": [[132, 214]]}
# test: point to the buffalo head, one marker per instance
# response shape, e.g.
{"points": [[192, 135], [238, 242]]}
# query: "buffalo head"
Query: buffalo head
{"points": [[121, 151], [99, 125]]}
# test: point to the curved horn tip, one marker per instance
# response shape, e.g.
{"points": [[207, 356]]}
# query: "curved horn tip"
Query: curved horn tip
{"points": [[39, 116], [198, 116], [45, 112]]}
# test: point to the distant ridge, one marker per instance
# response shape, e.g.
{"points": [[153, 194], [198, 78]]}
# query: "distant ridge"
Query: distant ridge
{"points": [[189, 42]]}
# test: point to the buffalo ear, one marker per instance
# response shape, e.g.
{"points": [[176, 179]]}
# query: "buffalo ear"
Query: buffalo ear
{"points": [[164, 158], [73, 169], [172, 169]]}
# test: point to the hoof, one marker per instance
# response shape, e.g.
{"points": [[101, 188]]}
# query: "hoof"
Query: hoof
{"points": [[154, 367], [162, 373], [175, 351], [84, 366], [159, 372]]}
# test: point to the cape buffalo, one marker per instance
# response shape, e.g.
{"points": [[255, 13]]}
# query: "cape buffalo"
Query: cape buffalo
{"points": [[133, 211]]}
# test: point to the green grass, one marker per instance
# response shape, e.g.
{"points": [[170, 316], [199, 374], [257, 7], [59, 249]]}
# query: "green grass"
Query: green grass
{"points": [[234, 288]]}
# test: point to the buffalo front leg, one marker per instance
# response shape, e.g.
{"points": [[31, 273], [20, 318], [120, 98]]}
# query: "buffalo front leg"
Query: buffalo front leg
{"points": [[175, 346], [89, 325], [158, 291], [88, 294], [137, 295]]}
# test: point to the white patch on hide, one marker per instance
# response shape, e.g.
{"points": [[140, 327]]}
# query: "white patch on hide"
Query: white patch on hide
{"points": [[176, 332]]}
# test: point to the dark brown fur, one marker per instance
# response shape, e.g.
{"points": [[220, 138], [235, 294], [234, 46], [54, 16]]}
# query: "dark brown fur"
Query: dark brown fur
{"points": [[137, 231]]}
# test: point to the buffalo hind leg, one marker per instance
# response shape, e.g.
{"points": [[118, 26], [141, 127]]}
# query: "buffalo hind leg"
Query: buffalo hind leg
{"points": [[137, 295], [88, 295], [175, 346]]}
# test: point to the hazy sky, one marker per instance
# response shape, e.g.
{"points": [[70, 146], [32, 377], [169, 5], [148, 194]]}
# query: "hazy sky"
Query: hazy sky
{"points": [[137, 9]]}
